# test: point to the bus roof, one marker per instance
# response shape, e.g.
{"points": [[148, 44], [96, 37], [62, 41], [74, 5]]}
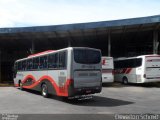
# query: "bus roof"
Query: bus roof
{"points": [[51, 51], [41, 53], [140, 56]]}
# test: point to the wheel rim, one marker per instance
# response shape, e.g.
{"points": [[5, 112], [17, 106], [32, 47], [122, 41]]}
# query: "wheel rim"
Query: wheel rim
{"points": [[44, 90], [21, 85], [125, 81]]}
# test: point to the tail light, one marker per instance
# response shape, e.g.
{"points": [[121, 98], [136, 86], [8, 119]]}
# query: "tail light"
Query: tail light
{"points": [[70, 81], [112, 72]]}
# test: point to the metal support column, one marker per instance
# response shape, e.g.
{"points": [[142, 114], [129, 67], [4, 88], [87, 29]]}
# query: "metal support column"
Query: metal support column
{"points": [[69, 42], [33, 47], [155, 42], [109, 44]]}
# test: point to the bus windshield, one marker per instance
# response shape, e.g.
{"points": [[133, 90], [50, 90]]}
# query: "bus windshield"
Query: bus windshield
{"points": [[87, 56]]}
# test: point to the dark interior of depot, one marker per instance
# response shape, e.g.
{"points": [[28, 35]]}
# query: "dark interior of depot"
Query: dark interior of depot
{"points": [[125, 41]]}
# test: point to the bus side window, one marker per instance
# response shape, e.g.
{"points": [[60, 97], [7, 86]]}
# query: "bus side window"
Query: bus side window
{"points": [[24, 65], [129, 63], [43, 62], [19, 65], [56, 62], [118, 64], [29, 64], [138, 62], [36, 63], [15, 66], [50, 61], [53, 61], [15, 70], [62, 60]]}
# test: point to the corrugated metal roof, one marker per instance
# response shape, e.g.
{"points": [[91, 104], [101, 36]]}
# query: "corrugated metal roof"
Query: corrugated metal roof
{"points": [[85, 26]]}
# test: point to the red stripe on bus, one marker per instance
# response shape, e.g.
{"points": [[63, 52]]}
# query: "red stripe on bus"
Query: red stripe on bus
{"points": [[106, 71], [29, 77], [103, 62], [128, 70], [60, 91], [124, 70], [16, 85], [41, 53]]}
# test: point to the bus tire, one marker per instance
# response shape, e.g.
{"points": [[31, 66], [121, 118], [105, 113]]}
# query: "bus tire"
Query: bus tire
{"points": [[125, 80], [44, 90], [20, 85]]}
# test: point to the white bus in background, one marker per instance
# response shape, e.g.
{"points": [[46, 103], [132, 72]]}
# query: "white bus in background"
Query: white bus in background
{"points": [[68, 72], [140, 69], [107, 69]]}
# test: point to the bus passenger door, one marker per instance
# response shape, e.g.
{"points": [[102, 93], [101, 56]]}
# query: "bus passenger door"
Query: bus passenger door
{"points": [[62, 75], [62, 81]]}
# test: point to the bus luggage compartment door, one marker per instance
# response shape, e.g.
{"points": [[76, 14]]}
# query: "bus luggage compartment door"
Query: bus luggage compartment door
{"points": [[86, 79], [62, 81]]}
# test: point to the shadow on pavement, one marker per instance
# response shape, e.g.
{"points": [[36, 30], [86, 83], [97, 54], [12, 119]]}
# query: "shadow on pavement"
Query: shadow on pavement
{"points": [[96, 101], [115, 85], [120, 85], [31, 91], [149, 85]]}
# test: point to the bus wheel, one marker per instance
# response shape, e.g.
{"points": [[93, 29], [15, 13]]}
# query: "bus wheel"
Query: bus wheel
{"points": [[44, 90], [21, 85], [125, 80]]}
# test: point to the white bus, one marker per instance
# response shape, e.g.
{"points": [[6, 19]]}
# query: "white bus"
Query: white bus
{"points": [[67, 72], [107, 69], [140, 69]]}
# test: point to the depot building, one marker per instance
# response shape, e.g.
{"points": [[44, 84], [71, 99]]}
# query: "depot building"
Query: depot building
{"points": [[117, 38]]}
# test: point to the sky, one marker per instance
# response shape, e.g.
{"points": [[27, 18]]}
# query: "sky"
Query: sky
{"points": [[24, 13]]}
